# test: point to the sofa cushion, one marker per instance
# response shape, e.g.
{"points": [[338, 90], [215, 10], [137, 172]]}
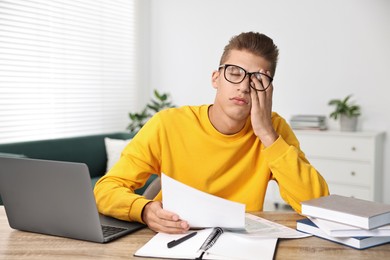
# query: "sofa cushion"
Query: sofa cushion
{"points": [[114, 148]]}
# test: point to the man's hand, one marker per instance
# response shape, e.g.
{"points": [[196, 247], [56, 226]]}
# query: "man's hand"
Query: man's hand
{"points": [[161, 220], [261, 111]]}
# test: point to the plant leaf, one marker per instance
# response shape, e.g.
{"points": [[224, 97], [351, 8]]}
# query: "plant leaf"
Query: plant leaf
{"points": [[137, 120]]}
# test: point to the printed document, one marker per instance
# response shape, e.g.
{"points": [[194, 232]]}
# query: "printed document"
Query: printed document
{"points": [[259, 227]]}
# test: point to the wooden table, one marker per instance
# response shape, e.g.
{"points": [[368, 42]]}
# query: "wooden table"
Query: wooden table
{"points": [[16, 244]]}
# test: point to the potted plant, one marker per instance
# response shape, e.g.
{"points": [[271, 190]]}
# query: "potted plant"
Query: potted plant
{"points": [[347, 111], [160, 102]]}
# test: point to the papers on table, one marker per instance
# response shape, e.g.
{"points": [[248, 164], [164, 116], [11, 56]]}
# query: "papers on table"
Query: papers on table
{"points": [[259, 239], [259, 227], [244, 236], [201, 209]]}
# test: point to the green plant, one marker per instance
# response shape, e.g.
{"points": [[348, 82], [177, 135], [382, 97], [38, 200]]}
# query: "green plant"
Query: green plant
{"points": [[156, 104], [344, 107]]}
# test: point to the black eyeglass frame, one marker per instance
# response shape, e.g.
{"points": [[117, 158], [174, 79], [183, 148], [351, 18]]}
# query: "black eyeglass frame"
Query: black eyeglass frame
{"points": [[225, 66]]}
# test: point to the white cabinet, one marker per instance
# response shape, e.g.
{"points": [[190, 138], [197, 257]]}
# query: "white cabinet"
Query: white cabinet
{"points": [[350, 162]]}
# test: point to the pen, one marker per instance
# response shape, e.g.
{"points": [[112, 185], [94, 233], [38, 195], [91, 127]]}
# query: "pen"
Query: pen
{"points": [[180, 240], [210, 241]]}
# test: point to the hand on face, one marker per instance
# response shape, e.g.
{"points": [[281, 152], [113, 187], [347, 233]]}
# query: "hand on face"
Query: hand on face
{"points": [[261, 110], [161, 220]]}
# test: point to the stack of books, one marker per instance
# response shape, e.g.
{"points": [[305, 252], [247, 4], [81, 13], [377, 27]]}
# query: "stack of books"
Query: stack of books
{"points": [[349, 221], [308, 122]]}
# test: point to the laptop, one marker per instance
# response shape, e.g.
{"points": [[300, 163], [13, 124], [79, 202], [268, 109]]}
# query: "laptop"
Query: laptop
{"points": [[56, 198]]}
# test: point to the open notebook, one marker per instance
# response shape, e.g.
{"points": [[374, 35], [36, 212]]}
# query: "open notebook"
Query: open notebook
{"points": [[228, 246]]}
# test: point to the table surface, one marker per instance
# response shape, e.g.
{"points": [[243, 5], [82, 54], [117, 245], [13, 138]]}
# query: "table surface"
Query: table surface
{"points": [[15, 244]]}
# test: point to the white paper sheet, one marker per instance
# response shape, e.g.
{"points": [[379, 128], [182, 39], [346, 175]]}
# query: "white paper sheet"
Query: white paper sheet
{"points": [[200, 209], [232, 246]]}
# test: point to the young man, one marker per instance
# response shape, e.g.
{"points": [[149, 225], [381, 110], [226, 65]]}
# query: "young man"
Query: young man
{"points": [[230, 149]]}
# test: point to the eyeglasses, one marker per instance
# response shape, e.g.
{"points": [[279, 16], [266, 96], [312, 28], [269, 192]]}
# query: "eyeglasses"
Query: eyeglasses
{"points": [[235, 74]]}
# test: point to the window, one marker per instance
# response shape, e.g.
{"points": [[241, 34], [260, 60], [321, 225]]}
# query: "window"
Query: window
{"points": [[67, 68]]}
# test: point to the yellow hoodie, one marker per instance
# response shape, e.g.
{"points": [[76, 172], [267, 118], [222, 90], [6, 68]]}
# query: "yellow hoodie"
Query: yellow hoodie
{"points": [[183, 144]]}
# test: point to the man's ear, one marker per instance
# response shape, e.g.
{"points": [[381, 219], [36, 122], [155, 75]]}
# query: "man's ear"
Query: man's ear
{"points": [[214, 78]]}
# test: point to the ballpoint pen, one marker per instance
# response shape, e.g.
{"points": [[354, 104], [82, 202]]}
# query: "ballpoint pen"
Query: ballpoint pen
{"points": [[180, 240], [210, 241]]}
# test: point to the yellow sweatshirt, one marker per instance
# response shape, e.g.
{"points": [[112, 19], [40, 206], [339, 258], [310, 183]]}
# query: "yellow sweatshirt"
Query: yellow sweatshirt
{"points": [[183, 144]]}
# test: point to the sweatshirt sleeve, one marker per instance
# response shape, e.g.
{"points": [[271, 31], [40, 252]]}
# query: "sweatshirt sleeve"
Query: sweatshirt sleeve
{"points": [[114, 192], [298, 180]]}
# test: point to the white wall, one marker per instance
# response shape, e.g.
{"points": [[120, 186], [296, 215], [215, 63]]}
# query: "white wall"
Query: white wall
{"points": [[143, 58], [328, 49]]}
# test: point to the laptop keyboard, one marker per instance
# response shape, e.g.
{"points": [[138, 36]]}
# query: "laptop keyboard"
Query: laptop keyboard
{"points": [[110, 230]]}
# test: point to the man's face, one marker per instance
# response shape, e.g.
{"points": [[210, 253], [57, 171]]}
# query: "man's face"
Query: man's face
{"points": [[234, 99]]}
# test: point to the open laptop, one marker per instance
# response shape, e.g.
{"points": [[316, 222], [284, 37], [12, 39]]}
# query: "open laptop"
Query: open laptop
{"points": [[55, 198]]}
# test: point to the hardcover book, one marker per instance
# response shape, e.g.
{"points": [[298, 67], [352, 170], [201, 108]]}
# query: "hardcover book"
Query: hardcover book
{"points": [[305, 225], [347, 210], [341, 230]]}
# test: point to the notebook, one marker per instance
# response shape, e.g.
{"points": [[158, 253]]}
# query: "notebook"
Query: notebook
{"points": [[229, 245], [56, 198]]}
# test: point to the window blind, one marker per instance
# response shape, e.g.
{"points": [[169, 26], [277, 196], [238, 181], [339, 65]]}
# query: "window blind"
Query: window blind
{"points": [[67, 68]]}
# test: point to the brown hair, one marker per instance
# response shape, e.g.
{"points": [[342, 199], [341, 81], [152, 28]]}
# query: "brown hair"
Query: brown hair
{"points": [[256, 43]]}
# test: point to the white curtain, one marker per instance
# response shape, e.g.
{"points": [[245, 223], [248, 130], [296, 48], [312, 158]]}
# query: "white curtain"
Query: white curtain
{"points": [[67, 67]]}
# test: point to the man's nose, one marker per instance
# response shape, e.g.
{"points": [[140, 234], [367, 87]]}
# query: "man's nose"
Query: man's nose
{"points": [[245, 84]]}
